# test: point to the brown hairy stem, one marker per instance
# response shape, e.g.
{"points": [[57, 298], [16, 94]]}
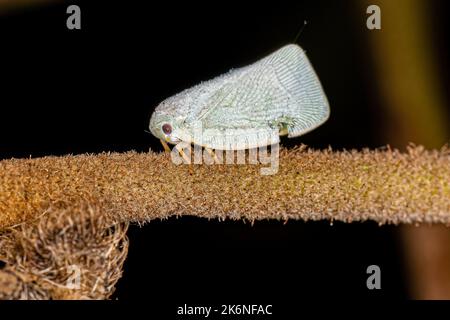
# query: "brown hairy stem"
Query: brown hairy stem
{"points": [[383, 185]]}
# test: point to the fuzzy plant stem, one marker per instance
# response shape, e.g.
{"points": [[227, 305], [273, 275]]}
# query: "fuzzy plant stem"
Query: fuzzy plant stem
{"points": [[384, 185]]}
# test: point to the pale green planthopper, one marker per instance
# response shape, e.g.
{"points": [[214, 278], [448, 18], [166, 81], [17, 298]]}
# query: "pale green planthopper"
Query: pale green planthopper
{"points": [[248, 107]]}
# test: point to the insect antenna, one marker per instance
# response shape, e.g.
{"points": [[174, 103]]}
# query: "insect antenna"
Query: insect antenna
{"points": [[300, 31]]}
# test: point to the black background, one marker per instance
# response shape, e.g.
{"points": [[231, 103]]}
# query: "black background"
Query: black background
{"points": [[92, 90]]}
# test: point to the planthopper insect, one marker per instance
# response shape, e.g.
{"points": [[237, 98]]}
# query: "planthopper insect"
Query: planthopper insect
{"points": [[248, 107]]}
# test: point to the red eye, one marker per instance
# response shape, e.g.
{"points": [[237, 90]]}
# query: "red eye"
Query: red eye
{"points": [[167, 128]]}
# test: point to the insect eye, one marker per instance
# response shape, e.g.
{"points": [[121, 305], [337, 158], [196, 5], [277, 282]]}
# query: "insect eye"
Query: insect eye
{"points": [[167, 128]]}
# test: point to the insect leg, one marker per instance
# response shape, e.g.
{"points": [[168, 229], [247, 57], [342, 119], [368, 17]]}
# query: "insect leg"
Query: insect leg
{"points": [[185, 157], [165, 146], [212, 154], [283, 123]]}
